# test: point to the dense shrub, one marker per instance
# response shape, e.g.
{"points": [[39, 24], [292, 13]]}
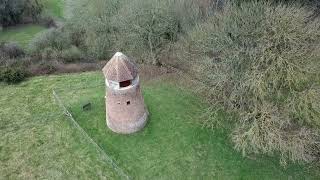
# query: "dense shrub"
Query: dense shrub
{"points": [[140, 28], [56, 44], [262, 62], [72, 54], [12, 74], [52, 38], [95, 37], [13, 12], [11, 50], [46, 20], [48, 53], [46, 67], [33, 9], [154, 25], [149, 24], [76, 34], [49, 44]]}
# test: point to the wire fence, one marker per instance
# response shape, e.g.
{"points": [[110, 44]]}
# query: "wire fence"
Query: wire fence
{"points": [[105, 156]]}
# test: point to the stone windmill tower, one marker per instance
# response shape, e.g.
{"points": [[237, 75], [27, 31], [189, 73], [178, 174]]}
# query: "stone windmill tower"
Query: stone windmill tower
{"points": [[125, 109]]}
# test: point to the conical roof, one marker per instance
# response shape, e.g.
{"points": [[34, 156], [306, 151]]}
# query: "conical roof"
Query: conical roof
{"points": [[120, 68]]}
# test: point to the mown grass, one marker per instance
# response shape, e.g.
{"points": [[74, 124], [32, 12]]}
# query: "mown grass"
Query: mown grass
{"points": [[173, 145], [36, 140], [21, 34]]}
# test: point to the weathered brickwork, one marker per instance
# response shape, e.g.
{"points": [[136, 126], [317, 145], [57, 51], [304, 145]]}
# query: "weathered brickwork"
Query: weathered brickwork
{"points": [[126, 111]]}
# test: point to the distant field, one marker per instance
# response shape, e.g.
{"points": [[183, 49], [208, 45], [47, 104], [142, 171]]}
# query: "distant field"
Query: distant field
{"points": [[55, 7], [21, 34]]}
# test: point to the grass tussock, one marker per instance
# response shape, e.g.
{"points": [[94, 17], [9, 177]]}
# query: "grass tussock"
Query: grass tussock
{"points": [[261, 62]]}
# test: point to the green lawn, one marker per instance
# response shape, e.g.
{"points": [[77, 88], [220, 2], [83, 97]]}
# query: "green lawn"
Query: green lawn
{"points": [[173, 145], [38, 141], [21, 34]]}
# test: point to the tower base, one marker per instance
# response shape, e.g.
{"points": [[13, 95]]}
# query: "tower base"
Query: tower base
{"points": [[127, 127]]}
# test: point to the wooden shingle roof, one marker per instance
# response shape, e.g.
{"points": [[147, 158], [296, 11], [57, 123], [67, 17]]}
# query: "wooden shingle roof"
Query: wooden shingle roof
{"points": [[120, 68]]}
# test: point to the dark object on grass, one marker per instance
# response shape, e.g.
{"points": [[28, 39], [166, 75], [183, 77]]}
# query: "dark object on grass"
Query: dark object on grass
{"points": [[86, 106]]}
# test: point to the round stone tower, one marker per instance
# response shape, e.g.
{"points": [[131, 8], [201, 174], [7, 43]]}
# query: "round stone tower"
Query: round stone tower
{"points": [[125, 109]]}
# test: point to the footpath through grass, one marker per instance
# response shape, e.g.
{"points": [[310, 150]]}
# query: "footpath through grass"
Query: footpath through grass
{"points": [[172, 145], [21, 34]]}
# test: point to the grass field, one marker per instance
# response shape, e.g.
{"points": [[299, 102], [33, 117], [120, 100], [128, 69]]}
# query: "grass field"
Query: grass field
{"points": [[55, 7], [21, 34], [38, 141]]}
